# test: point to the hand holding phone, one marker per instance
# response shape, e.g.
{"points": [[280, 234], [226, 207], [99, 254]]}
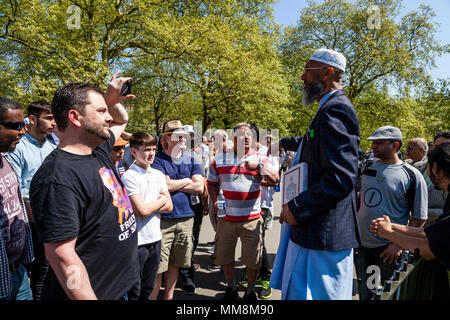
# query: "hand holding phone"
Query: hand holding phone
{"points": [[119, 89], [126, 88]]}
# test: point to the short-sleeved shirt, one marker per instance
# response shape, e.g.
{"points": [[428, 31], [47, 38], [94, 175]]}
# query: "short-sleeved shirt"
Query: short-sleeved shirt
{"points": [[241, 188], [438, 235], [267, 192], [12, 221], [28, 157], [176, 169], [148, 184], [82, 196], [121, 167], [383, 192]]}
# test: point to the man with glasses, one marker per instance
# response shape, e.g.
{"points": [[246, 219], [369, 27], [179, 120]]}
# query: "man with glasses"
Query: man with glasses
{"points": [[184, 177], [26, 160], [117, 155], [417, 150], [323, 232], [16, 247], [239, 173]]}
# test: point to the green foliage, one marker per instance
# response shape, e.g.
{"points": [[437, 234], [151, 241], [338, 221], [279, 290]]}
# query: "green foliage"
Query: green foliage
{"points": [[226, 61], [396, 55]]}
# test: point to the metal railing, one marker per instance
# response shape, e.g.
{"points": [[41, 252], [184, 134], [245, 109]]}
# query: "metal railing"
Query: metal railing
{"points": [[414, 279]]}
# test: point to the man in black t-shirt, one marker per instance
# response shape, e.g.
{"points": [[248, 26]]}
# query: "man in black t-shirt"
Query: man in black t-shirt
{"points": [[82, 212]]}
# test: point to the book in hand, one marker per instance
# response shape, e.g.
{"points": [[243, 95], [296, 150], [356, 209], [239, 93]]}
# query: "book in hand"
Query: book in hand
{"points": [[295, 181]]}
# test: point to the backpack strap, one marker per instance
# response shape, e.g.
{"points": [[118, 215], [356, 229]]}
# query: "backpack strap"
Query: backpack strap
{"points": [[411, 191]]}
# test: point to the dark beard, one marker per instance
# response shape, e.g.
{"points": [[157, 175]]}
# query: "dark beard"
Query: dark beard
{"points": [[97, 130], [310, 94]]}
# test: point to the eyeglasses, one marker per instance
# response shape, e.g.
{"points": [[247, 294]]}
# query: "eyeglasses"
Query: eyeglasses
{"points": [[13, 125], [312, 68], [178, 137], [118, 148]]}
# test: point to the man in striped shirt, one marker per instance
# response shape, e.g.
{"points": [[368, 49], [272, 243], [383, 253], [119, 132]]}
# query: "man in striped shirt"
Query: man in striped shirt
{"points": [[239, 172]]}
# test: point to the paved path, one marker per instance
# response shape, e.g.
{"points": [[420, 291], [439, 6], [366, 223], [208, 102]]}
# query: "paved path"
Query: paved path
{"points": [[211, 285]]}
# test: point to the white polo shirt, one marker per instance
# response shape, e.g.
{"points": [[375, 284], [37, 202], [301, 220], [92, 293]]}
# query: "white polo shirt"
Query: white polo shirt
{"points": [[148, 184]]}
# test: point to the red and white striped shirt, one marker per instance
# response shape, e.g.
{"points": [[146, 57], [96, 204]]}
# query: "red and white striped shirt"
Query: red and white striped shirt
{"points": [[241, 188]]}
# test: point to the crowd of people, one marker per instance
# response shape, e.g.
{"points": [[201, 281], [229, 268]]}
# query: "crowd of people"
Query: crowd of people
{"points": [[78, 193]]}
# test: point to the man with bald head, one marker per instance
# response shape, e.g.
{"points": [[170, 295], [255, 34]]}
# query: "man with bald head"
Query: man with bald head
{"points": [[417, 149], [323, 232]]}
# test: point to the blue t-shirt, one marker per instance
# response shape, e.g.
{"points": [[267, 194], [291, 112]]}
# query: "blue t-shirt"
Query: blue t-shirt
{"points": [[183, 167]]}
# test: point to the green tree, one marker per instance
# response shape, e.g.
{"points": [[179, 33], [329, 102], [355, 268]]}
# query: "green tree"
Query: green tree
{"points": [[396, 55]]}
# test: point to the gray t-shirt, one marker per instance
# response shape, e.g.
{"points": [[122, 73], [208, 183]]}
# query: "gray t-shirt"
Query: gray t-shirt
{"points": [[383, 192]]}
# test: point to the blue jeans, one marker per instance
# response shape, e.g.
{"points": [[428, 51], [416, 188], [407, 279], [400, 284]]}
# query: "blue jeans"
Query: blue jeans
{"points": [[20, 286]]}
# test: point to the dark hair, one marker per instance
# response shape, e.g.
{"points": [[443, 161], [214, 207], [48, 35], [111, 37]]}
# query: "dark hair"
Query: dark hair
{"points": [[441, 156], [400, 143], [7, 104], [73, 95], [142, 139], [445, 134], [37, 108], [254, 127]]}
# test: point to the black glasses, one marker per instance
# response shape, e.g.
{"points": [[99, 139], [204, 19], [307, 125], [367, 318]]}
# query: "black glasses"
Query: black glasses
{"points": [[13, 125]]}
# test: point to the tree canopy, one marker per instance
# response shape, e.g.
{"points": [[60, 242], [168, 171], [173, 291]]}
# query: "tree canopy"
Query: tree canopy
{"points": [[227, 61]]}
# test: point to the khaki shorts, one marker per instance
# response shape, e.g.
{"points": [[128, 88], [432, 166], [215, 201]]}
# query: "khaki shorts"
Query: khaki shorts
{"points": [[176, 243], [250, 233]]}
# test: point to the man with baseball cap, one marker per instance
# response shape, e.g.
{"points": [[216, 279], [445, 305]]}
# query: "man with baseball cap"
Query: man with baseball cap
{"points": [[117, 155], [389, 187], [183, 177]]}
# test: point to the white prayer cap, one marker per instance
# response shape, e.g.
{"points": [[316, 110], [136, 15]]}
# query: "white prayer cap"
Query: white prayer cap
{"points": [[330, 57]]}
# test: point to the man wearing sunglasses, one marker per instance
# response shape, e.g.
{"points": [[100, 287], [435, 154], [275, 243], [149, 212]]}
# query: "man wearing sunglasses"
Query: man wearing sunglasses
{"points": [[16, 248], [117, 156], [26, 160], [81, 209], [184, 177]]}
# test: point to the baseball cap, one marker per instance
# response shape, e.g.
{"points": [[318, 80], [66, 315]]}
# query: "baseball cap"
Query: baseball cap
{"points": [[120, 142]]}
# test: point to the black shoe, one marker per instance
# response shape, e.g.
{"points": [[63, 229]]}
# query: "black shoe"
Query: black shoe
{"points": [[214, 267], [189, 288], [231, 295], [266, 290], [250, 296]]}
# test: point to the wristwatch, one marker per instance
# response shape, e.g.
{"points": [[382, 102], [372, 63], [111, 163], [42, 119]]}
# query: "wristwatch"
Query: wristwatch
{"points": [[260, 166]]}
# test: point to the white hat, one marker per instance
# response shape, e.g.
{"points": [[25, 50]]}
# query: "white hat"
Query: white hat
{"points": [[189, 129], [330, 57]]}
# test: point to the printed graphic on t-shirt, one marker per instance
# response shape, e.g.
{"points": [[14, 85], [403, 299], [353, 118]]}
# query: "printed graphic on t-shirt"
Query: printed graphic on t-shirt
{"points": [[126, 218], [12, 225]]}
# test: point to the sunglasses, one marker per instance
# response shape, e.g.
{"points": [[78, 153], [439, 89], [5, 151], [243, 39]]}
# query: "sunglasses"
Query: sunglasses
{"points": [[118, 148], [13, 125]]}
